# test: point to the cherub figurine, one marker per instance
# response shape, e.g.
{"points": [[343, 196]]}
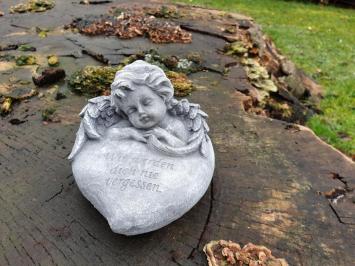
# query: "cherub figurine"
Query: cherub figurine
{"points": [[142, 107]]}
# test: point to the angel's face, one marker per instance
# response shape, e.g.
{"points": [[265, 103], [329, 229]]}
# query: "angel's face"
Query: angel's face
{"points": [[143, 107]]}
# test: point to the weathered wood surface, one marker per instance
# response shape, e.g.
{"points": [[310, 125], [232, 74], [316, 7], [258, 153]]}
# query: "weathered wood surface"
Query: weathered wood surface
{"points": [[265, 188]]}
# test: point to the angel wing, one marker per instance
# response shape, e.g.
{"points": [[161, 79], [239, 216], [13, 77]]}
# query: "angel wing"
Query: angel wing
{"points": [[196, 122], [96, 116]]}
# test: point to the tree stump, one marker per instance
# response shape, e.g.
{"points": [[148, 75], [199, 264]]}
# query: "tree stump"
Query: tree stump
{"points": [[273, 183]]}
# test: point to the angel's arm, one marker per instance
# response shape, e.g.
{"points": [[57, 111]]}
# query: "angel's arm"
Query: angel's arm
{"points": [[181, 132], [118, 133], [162, 134], [197, 128]]}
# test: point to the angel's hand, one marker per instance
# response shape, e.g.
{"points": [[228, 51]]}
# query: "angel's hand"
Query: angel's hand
{"points": [[159, 133], [136, 135], [127, 133], [165, 136]]}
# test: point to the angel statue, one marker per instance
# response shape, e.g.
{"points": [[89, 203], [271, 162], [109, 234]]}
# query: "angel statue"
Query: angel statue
{"points": [[142, 157], [142, 107]]}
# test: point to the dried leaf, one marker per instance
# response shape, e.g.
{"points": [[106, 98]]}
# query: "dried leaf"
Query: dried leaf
{"points": [[132, 24]]}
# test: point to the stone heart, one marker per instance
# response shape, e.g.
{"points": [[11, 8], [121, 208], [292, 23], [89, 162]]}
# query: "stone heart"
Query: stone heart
{"points": [[138, 189]]}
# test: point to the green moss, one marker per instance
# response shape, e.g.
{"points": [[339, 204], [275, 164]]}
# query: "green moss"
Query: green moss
{"points": [[182, 85], [282, 110], [93, 80], [96, 80], [5, 106], [235, 48], [164, 12], [33, 6], [195, 57], [188, 65], [53, 60], [48, 114], [42, 32], [7, 58], [26, 60], [26, 48], [116, 11]]}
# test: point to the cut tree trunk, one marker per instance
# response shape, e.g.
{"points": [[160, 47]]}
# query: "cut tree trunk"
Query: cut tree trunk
{"points": [[272, 183]]}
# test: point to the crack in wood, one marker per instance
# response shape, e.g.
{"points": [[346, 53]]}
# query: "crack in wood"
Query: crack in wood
{"points": [[336, 214], [212, 70], [20, 26], [56, 194], [95, 2], [213, 34], [191, 255], [337, 194], [98, 57]]}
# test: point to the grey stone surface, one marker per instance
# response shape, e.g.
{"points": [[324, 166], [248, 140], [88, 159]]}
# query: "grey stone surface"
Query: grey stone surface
{"points": [[141, 157]]}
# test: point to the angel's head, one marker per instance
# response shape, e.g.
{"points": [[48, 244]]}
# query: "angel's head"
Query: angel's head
{"points": [[141, 91]]}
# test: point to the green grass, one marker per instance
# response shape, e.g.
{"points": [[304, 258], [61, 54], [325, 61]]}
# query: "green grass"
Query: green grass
{"points": [[320, 40]]}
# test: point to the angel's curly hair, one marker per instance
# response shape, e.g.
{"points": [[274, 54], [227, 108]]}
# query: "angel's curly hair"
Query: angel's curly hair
{"points": [[140, 72]]}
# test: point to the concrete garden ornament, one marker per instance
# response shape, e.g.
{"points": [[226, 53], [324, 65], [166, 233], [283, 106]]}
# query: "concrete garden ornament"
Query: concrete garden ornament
{"points": [[142, 157]]}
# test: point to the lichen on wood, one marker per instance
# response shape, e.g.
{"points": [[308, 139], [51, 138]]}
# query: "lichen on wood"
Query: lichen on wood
{"points": [[96, 80], [7, 100], [182, 85], [187, 65], [48, 115], [6, 104], [224, 253], [258, 76], [23, 60], [280, 90], [26, 48], [53, 60], [163, 12], [33, 6], [7, 58], [93, 80]]}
